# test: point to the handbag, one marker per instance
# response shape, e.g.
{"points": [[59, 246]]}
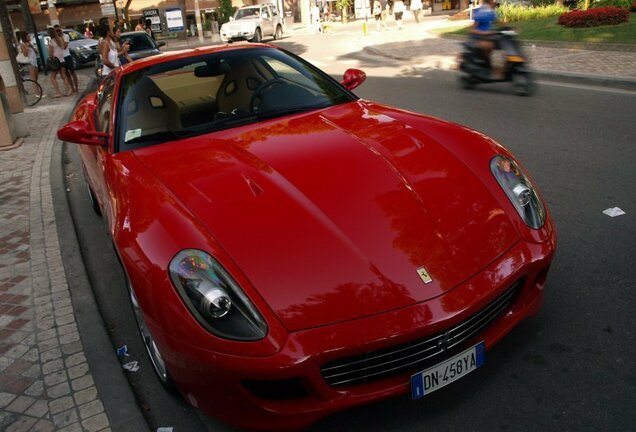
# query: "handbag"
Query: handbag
{"points": [[53, 64], [21, 58]]}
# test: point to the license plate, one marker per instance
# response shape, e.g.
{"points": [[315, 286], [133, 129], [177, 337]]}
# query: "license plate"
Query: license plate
{"points": [[444, 373]]}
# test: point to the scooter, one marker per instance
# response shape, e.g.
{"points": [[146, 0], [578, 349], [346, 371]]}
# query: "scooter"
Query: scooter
{"points": [[476, 67]]}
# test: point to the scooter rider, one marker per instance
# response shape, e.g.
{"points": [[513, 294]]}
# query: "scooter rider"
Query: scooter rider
{"points": [[484, 18]]}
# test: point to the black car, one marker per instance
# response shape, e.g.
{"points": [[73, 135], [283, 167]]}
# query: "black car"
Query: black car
{"points": [[141, 45]]}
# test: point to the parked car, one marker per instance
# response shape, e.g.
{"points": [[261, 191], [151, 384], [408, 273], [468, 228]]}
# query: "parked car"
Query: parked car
{"points": [[141, 45], [291, 250], [83, 49], [253, 23]]}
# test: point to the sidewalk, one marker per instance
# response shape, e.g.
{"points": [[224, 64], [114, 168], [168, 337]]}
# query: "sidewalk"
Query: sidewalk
{"points": [[46, 382]]}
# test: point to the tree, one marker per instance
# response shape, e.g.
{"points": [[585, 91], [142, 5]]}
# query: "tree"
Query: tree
{"points": [[227, 10], [343, 5]]}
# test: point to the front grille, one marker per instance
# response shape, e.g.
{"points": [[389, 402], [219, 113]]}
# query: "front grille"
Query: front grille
{"points": [[418, 354]]}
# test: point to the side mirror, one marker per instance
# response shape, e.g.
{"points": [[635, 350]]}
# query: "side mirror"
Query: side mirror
{"points": [[78, 132], [231, 18], [161, 43], [352, 78]]}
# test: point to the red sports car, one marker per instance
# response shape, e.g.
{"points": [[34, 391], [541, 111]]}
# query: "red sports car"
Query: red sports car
{"points": [[292, 250]]}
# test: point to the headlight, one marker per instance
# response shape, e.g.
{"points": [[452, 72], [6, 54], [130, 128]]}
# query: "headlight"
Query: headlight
{"points": [[519, 190], [215, 300]]}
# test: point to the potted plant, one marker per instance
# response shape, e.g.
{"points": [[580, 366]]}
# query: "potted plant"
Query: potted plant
{"points": [[207, 28]]}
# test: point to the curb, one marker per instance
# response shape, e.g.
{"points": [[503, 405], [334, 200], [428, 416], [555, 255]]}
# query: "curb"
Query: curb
{"points": [[114, 390]]}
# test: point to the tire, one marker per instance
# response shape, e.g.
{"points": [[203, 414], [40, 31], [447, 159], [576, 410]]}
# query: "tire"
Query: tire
{"points": [[32, 91], [148, 340], [522, 84], [466, 82], [278, 34], [258, 36]]}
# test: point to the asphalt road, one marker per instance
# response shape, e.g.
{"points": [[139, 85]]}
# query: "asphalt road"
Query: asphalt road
{"points": [[569, 368]]}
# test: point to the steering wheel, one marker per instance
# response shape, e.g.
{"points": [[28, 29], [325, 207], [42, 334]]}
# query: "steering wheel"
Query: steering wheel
{"points": [[257, 96]]}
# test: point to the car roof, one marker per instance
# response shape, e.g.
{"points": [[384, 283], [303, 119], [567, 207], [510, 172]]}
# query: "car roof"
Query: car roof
{"points": [[192, 52]]}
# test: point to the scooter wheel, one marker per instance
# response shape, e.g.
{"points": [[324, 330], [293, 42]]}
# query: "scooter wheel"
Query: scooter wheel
{"points": [[522, 84], [466, 82]]}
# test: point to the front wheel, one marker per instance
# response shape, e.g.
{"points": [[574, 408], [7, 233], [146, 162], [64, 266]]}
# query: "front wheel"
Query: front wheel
{"points": [[522, 83], [32, 91], [466, 82], [258, 36], [156, 359]]}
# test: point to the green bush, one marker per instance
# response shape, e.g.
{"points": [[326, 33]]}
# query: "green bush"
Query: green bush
{"points": [[625, 4], [508, 13]]}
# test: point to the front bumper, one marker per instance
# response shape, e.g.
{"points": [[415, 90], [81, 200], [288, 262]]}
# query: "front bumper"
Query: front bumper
{"points": [[231, 36], [287, 390]]}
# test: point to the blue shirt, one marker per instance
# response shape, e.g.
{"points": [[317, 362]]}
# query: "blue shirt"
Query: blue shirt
{"points": [[484, 17]]}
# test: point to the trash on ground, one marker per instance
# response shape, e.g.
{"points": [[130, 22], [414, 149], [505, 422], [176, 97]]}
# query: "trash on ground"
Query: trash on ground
{"points": [[122, 351], [133, 366], [613, 212]]}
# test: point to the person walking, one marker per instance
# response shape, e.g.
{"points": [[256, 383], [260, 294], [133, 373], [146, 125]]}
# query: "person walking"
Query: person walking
{"points": [[108, 50], [416, 9], [69, 64], [398, 12], [378, 14], [88, 33], [149, 29], [56, 62], [28, 53], [141, 24]]}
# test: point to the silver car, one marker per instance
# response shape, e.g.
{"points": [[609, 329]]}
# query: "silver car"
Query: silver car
{"points": [[253, 23]]}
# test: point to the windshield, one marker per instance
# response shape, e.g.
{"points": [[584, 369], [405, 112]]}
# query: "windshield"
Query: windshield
{"points": [[247, 13], [138, 42], [207, 93]]}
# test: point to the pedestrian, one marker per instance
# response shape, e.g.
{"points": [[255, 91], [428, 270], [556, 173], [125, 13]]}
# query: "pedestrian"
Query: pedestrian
{"points": [[398, 11], [141, 24], [149, 29], [55, 62], [315, 18], [416, 9], [28, 59], [88, 33], [69, 63], [386, 11], [377, 14], [122, 49], [108, 50]]}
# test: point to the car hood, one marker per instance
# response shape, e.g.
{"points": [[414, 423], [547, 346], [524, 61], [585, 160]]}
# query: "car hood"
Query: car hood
{"points": [[330, 214]]}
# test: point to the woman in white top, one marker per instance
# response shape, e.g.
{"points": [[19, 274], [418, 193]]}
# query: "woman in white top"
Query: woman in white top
{"points": [[416, 8], [108, 50], [56, 44], [398, 11], [27, 50]]}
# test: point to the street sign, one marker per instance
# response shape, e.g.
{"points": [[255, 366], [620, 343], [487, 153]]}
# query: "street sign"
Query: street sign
{"points": [[174, 19]]}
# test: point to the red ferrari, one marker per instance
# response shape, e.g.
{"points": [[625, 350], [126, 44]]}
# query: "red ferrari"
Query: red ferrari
{"points": [[292, 250]]}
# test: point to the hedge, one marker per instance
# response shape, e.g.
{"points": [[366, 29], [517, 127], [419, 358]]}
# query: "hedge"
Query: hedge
{"points": [[594, 17]]}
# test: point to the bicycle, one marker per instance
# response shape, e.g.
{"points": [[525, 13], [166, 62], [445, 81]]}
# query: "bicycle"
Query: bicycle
{"points": [[32, 89]]}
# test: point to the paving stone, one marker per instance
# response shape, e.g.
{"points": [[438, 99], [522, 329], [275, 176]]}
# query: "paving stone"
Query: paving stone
{"points": [[86, 395], [39, 409], [61, 404], [69, 337], [55, 378], [68, 328], [48, 344], [75, 359], [91, 409], [75, 427], [58, 390], [72, 347], [36, 389], [96, 423], [32, 356], [66, 319], [33, 372], [43, 426], [78, 371], [52, 366], [6, 399], [82, 382], [21, 424], [65, 418], [53, 354], [20, 404], [18, 351]]}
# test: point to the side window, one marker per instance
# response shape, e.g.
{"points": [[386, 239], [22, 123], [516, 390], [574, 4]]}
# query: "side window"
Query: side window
{"points": [[104, 105]]}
